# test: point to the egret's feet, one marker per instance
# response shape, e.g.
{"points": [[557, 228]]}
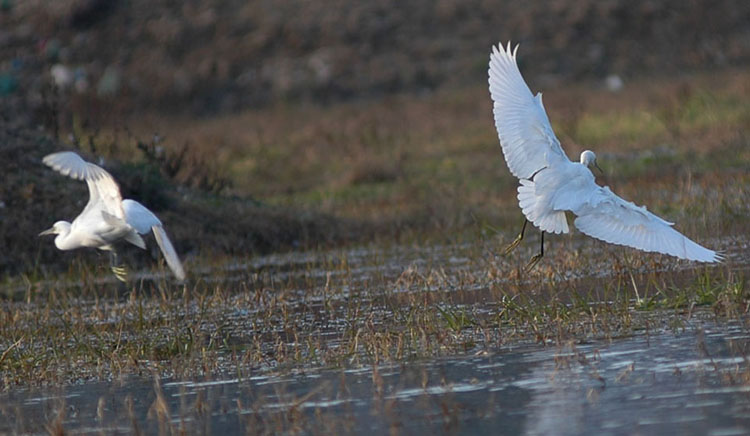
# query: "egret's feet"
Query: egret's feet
{"points": [[513, 244], [532, 263], [121, 273]]}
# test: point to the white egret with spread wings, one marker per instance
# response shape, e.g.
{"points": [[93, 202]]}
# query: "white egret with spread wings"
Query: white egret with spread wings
{"points": [[550, 184], [107, 218]]}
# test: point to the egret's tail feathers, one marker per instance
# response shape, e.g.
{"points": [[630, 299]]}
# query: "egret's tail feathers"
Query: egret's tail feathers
{"points": [[554, 223], [134, 238], [547, 221]]}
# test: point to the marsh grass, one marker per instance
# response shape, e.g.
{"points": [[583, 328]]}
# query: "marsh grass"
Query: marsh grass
{"points": [[367, 307], [337, 309], [357, 158], [423, 181]]}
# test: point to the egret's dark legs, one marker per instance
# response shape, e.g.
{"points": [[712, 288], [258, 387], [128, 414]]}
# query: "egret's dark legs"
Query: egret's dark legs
{"points": [[518, 239], [534, 260], [120, 271]]}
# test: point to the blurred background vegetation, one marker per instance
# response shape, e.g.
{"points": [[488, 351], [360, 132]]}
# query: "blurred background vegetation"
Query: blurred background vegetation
{"points": [[252, 126]]}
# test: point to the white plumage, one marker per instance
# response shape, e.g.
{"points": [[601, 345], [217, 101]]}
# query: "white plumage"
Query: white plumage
{"points": [[550, 184], [107, 218]]}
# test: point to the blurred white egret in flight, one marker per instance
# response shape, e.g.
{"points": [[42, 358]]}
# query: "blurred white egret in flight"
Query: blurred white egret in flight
{"points": [[551, 184], [107, 218]]}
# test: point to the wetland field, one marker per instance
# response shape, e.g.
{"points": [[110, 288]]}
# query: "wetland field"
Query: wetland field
{"points": [[418, 322], [344, 238]]}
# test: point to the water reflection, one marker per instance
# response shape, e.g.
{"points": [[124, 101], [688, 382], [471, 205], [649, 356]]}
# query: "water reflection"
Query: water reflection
{"points": [[695, 381]]}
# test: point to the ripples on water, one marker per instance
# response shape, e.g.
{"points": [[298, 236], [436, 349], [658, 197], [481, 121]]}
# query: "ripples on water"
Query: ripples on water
{"points": [[694, 381]]}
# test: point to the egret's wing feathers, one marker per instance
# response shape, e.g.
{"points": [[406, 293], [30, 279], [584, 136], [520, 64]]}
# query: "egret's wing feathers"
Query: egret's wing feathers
{"points": [[70, 164], [608, 217], [139, 217], [529, 146], [170, 254], [143, 220], [121, 229], [103, 190], [124, 219], [525, 133]]}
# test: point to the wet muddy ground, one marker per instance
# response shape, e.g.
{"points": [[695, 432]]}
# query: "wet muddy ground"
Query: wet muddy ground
{"points": [[449, 338], [690, 381]]}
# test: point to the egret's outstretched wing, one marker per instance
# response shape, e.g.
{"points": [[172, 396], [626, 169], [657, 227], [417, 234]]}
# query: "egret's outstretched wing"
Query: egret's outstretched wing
{"points": [[139, 217], [170, 254], [104, 193], [143, 220], [608, 217], [526, 137]]}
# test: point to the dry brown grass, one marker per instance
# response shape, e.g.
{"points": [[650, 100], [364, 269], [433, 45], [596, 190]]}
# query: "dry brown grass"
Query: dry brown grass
{"points": [[436, 159], [437, 178]]}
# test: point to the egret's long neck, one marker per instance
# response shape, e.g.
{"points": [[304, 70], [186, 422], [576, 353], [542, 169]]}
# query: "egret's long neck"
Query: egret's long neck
{"points": [[63, 240]]}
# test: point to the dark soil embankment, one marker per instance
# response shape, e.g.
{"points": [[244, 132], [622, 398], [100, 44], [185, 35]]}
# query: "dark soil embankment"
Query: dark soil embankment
{"points": [[214, 56]]}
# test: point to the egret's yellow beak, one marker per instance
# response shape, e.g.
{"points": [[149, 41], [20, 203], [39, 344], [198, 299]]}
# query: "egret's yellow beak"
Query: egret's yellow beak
{"points": [[48, 232]]}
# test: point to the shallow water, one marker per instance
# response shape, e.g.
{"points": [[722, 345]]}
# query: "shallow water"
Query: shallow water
{"points": [[692, 381]]}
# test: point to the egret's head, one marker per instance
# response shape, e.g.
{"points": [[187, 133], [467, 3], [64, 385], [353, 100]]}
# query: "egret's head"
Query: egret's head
{"points": [[58, 228], [588, 158]]}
